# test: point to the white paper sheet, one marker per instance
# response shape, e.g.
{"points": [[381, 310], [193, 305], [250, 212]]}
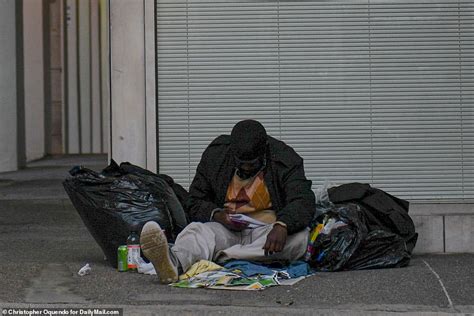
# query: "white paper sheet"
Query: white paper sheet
{"points": [[252, 223]]}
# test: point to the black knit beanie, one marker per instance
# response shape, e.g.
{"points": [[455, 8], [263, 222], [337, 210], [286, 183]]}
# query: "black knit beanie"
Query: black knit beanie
{"points": [[248, 140]]}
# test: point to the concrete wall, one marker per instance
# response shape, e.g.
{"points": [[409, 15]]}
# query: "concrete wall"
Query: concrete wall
{"points": [[8, 99], [34, 79], [444, 227], [132, 83]]}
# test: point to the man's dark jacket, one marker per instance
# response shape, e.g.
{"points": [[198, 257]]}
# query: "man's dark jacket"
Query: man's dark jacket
{"points": [[290, 191]]}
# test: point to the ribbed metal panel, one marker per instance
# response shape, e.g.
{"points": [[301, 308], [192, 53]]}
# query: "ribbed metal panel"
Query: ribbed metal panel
{"points": [[371, 91]]}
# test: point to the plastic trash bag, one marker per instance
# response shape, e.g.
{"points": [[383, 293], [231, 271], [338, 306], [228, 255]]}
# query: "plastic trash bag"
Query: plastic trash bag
{"points": [[111, 202], [323, 203], [345, 243], [382, 211], [344, 230], [174, 191], [380, 249], [379, 231]]}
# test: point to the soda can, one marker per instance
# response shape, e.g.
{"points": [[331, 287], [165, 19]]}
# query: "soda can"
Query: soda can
{"points": [[122, 255]]}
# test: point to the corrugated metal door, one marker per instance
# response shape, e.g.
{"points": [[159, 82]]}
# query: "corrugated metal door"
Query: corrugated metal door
{"points": [[370, 91]]}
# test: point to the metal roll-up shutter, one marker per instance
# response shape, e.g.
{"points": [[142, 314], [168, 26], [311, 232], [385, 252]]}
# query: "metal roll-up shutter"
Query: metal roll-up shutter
{"points": [[417, 98], [217, 64], [466, 78], [325, 87], [369, 91]]}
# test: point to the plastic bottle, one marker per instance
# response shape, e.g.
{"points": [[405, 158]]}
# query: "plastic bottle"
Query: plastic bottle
{"points": [[133, 247]]}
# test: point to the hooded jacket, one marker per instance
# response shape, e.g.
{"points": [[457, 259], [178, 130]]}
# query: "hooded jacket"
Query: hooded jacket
{"points": [[290, 192]]}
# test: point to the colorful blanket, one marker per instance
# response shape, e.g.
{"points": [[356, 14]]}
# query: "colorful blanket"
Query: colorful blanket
{"points": [[243, 275]]}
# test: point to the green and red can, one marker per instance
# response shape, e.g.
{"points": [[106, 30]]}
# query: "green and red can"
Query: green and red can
{"points": [[122, 255]]}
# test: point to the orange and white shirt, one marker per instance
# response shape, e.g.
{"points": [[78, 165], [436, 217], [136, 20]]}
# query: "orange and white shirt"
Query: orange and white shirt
{"points": [[250, 197]]}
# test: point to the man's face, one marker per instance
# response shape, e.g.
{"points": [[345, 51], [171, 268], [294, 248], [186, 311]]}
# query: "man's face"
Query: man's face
{"points": [[248, 169]]}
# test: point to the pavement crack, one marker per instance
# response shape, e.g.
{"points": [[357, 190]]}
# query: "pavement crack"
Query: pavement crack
{"points": [[450, 302]]}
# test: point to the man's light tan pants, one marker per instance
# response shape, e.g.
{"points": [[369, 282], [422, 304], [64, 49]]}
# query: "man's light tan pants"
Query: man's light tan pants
{"points": [[214, 242]]}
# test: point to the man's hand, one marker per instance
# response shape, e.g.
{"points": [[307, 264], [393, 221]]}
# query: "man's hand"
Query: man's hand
{"points": [[276, 240], [228, 210], [224, 218]]}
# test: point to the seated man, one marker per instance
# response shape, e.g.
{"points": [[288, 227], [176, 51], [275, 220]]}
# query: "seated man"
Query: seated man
{"points": [[247, 173]]}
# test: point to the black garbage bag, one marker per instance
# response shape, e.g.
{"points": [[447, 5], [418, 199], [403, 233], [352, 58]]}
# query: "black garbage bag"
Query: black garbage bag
{"points": [[178, 190], [380, 249], [340, 238], [173, 194], [111, 202], [382, 210], [378, 233]]}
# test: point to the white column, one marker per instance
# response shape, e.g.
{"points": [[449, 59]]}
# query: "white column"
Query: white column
{"points": [[72, 79], [85, 75], [54, 116], [95, 78], [104, 64], [34, 78], [8, 101], [131, 106], [150, 81]]}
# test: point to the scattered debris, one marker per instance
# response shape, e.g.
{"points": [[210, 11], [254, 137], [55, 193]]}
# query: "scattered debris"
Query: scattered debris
{"points": [[84, 270]]}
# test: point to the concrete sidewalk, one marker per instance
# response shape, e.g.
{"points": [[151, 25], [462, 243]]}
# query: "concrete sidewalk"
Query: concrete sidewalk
{"points": [[44, 243]]}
